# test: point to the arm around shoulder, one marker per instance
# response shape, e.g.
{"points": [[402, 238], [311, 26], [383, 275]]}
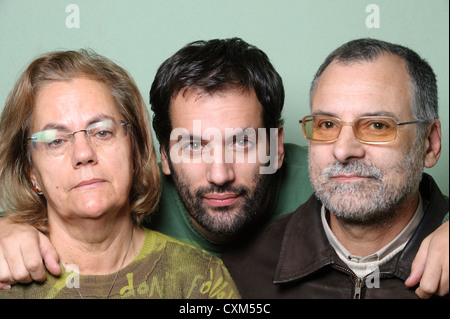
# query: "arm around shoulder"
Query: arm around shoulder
{"points": [[22, 249]]}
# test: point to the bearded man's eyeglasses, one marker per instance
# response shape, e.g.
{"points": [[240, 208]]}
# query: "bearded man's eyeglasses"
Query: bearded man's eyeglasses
{"points": [[367, 129]]}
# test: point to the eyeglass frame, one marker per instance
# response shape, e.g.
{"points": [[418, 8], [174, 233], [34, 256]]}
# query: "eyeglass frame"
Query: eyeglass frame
{"points": [[123, 123], [345, 123]]}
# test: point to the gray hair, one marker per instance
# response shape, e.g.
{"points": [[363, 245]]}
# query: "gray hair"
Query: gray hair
{"points": [[424, 100]]}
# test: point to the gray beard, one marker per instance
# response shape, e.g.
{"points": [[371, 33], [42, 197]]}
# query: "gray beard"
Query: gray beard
{"points": [[371, 202]]}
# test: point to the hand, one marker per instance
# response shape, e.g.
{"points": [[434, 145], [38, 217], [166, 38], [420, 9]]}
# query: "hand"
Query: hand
{"points": [[22, 249], [430, 266]]}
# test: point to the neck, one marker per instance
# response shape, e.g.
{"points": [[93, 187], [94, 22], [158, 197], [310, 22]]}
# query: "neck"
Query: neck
{"points": [[364, 240], [96, 246]]}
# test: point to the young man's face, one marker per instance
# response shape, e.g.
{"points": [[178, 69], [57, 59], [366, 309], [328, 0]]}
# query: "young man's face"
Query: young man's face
{"points": [[216, 166]]}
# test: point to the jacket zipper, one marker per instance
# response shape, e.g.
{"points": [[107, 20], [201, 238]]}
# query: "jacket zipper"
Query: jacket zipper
{"points": [[359, 283], [358, 286]]}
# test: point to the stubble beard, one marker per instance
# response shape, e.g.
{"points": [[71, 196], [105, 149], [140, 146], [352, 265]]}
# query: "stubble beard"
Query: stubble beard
{"points": [[228, 220]]}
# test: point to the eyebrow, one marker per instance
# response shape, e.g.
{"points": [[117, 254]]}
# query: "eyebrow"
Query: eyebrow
{"points": [[244, 132], [58, 126], [379, 113]]}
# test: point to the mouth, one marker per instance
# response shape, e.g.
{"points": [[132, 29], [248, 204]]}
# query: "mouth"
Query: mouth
{"points": [[348, 178], [221, 200], [89, 183]]}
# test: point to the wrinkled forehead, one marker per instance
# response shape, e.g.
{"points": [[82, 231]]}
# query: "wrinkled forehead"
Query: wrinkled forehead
{"points": [[73, 103], [379, 86]]}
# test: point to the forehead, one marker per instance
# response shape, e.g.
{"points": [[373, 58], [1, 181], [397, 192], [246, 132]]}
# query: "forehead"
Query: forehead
{"points": [[73, 102], [227, 109], [363, 88]]}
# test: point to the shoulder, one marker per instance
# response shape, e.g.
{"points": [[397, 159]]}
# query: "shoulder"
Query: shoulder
{"points": [[262, 247], [176, 249], [270, 238], [190, 267]]}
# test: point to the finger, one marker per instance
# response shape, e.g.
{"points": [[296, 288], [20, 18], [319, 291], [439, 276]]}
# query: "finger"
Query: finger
{"points": [[49, 254], [5, 275], [429, 285], [444, 284], [434, 280], [422, 294], [13, 260], [434, 285], [32, 261], [5, 286], [418, 264]]}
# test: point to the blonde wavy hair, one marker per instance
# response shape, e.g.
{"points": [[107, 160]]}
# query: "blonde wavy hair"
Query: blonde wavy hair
{"points": [[17, 197]]}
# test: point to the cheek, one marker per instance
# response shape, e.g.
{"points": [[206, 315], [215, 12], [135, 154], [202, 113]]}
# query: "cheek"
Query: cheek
{"points": [[50, 176], [193, 174], [118, 163], [319, 156], [246, 170]]}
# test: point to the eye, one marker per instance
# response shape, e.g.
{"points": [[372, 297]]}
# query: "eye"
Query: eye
{"points": [[378, 126], [326, 124], [56, 143], [102, 131], [244, 142], [193, 147], [241, 142], [103, 134]]}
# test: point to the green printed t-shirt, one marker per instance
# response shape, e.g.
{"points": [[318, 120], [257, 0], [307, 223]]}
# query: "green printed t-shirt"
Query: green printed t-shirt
{"points": [[289, 188], [164, 268]]}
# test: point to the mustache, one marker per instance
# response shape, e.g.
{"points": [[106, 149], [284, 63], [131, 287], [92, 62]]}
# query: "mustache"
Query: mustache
{"points": [[353, 166]]}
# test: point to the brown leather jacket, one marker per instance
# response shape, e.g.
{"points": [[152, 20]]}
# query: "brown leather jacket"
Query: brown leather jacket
{"points": [[292, 258]]}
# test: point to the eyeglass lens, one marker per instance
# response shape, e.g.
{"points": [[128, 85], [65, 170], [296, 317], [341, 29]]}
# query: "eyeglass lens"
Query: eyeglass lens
{"points": [[367, 129], [56, 141]]}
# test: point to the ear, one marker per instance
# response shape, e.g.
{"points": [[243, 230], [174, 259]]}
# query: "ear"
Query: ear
{"points": [[33, 177], [280, 146], [432, 144], [35, 182], [165, 161]]}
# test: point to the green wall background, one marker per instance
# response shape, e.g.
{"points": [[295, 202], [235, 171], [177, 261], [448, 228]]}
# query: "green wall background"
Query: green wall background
{"points": [[296, 34]]}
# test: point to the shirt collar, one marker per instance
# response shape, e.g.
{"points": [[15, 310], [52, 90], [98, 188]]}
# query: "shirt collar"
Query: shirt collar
{"points": [[362, 265]]}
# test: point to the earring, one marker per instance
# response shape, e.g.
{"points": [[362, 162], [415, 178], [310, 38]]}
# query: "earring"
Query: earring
{"points": [[37, 190]]}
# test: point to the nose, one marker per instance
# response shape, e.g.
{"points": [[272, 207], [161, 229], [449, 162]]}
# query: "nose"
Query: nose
{"points": [[347, 146], [219, 171], [84, 151]]}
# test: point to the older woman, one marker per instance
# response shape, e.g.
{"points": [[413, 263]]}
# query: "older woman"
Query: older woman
{"points": [[78, 163]]}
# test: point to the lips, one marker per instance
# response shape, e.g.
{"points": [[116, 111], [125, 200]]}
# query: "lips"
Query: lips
{"points": [[221, 200], [89, 183], [350, 178]]}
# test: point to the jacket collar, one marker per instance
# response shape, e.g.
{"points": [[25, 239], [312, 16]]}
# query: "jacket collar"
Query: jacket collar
{"points": [[305, 248]]}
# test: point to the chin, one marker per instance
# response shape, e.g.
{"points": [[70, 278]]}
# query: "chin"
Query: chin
{"points": [[97, 208]]}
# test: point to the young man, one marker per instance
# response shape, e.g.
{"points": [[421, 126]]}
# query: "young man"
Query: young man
{"points": [[224, 174], [217, 115], [374, 127]]}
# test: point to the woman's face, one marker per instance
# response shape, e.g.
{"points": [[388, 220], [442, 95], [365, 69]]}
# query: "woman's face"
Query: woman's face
{"points": [[86, 180]]}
